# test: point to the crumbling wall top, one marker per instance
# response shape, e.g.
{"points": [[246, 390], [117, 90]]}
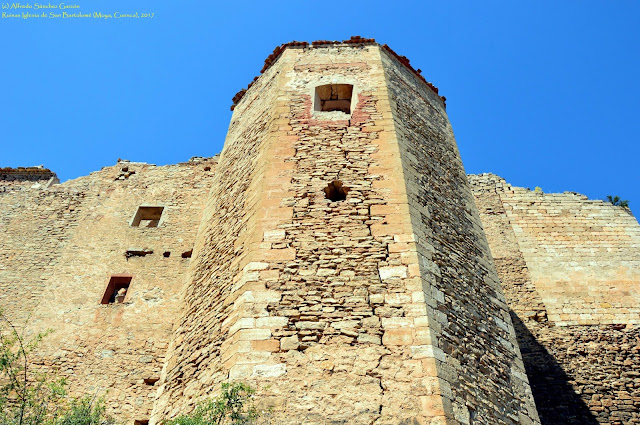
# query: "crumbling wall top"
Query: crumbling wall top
{"points": [[26, 173], [354, 41], [24, 177]]}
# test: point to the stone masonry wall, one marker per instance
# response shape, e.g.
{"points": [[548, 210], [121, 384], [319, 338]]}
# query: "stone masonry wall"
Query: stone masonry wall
{"points": [[300, 303], [579, 374], [35, 224], [321, 304], [382, 308], [213, 307], [26, 177], [583, 255], [472, 336], [60, 246]]}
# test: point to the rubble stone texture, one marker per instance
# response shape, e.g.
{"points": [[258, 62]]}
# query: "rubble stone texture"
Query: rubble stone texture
{"points": [[59, 247], [335, 261], [382, 308]]}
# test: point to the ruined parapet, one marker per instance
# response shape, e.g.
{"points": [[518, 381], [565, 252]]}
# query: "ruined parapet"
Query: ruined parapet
{"points": [[340, 265], [25, 177]]}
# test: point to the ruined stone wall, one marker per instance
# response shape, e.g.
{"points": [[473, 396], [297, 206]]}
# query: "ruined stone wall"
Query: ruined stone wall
{"points": [[382, 308], [61, 245], [20, 178], [325, 306], [583, 255], [579, 374], [35, 224], [471, 332]]}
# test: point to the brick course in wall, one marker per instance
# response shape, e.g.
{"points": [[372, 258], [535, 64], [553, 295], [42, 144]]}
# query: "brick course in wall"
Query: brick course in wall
{"points": [[26, 177]]}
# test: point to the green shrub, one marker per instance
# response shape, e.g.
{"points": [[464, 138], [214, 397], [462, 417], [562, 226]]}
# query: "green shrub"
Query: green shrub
{"points": [[30, 397], [615, 200], [233, 406], [85, 411], [26, 397]]}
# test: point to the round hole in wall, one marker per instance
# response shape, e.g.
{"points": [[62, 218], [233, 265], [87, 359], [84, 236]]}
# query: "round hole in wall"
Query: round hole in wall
{"points": [[166, 254], [336, 191]]}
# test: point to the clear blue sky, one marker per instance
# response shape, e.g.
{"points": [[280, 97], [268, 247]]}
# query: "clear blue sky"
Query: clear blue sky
{"points": [[542, 93]]}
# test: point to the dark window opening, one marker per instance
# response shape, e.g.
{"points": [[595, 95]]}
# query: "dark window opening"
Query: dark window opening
{"points": [[334, 97], [147, 216], [207, 168], [116, 289], [151, 381], [166, 254], [187, 254], [336, 191], [137, 253], [141, 422]]}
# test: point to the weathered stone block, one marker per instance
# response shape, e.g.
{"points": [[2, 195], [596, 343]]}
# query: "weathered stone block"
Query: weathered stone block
{"points": [[392, 272], [289, 343], [397, 337], [269, 371]]}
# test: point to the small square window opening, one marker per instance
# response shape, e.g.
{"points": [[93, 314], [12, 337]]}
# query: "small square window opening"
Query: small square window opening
{"points": [[117, 289], [147, 216], [334, 97]]}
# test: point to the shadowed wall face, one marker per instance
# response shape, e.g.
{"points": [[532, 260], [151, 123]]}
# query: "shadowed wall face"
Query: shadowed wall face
{"points": [[579, 374], [470, 323]]}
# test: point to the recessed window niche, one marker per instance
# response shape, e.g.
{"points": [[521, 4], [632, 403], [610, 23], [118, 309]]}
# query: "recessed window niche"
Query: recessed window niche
{"points": [[117, 289], [147, 216], [333, 97]]}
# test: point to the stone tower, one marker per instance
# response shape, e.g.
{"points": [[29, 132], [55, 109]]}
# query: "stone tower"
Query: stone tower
{"points": [[340, 266]]}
